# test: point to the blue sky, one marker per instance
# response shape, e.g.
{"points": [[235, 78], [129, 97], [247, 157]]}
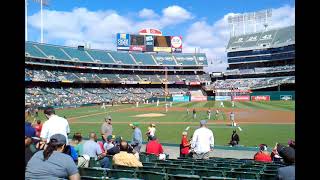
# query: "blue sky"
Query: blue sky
{"points": [[202, 23]]}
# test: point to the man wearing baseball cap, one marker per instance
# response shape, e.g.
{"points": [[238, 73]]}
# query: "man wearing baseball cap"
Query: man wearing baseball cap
{"points": [[136, 142], [106, 129], [109, 144], [202, 141], [288, 155]]}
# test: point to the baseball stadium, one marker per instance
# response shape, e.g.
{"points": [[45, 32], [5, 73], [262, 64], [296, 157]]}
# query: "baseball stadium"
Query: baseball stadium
{"points": [[148, 79]]}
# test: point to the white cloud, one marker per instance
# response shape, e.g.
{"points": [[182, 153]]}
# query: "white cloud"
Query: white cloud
{"points": [[147, 13], [213, 38], [100, 27]]}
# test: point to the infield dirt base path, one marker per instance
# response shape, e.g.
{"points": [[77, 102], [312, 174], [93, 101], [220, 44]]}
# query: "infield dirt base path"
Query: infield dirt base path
{"points": [[242, 116]]}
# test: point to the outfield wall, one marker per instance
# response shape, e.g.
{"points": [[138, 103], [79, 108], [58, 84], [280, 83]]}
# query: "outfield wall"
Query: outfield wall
{"points": [[273, 95]]}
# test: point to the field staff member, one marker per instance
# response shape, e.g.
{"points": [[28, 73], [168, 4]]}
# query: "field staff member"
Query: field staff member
{"points": [[202, 141], [232, 119], [106, 129], [54, 125], [136, 142]]}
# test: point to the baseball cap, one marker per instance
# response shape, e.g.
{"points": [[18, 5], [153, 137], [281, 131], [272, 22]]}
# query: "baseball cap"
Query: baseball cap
{"points": [[110, 137], [153, 125], [287, 153], [134, 124], [203, 122], [61, 139], [118, 139]]}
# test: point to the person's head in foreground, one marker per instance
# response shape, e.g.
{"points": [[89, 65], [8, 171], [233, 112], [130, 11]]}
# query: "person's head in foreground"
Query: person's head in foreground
{"points": [[38, 121], [77, 138], [134, 125], [203, 123], [49, 111], [263, 148], [234, 132], [124, 146], [184, 133], [110, 138], [108, 119], [57, 143], [292, 143], [287, 153], [93, 136]]}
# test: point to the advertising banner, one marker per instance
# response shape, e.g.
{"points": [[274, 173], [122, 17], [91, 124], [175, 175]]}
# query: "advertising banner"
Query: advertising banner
{"points": [[260, 98], [176, 44], [144, 82], [131, 82], [123, 41], [180, 98], [162, 49], [179, 82], [194, 83], [286, 97], [149, 43], [137, 48], [241, 98], [198, 98], [223, 98]]}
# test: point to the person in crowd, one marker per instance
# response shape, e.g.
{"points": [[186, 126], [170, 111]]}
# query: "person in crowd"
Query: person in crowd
{"points": [[151, 131], [154, 147], [106, 129], [202, 141], [123, 158], [275, 155], [54, 125], [288, 155], [38, 127], [76, 143], [263, 155], [292, 143], [234, 138], [116, 148], [92, 149], [71, 152], [185, 145], [110, 143], [136, 142], [30, 148], [52, 163]]}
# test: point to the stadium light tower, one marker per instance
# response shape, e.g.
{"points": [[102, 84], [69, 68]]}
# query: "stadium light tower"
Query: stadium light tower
{"points": [[241, 22], [26, 23], [42, 3]]}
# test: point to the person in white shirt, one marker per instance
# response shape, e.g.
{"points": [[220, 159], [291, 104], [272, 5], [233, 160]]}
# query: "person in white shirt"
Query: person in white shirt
{"points": [[54, 125], [158, 102], [202, 141], [221, 104]]}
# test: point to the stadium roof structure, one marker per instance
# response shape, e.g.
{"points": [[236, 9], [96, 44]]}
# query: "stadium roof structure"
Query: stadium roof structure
{"points": [[268, 39], [76, 54]]}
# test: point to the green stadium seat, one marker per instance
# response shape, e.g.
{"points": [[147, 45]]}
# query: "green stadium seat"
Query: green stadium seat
{"points": [[116, 173], [270, 171], [152, 157], [143, 157], [91, 177], [208, 173], [183, 177], [149, 164], [168, 165], [267, 176], [148, 175], [152, 169], [124, 167], [94, 163], [94, 171], [214, 177], [242, 175], [179, 171], [247, 170]]}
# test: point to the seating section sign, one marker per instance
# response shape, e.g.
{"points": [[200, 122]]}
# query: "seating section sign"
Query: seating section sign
{"points": [[241, 98], [260, 98]]}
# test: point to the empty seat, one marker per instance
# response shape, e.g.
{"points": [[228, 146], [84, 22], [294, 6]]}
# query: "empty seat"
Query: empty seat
{"points": [[94, 171], [124, 167], [182, 177], [267, 176], [152, 169], [214, 177], [242, 175], [148, 175], [208, 173], [116, 173], [179, 171]]}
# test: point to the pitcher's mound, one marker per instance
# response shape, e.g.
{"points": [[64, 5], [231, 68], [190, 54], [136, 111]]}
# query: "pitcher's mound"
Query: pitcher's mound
{"points": [[150, 115]]}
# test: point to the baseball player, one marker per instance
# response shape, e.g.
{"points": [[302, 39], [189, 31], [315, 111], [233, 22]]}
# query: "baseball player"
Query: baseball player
{"points": [[170, 104], [137, 104], [194, 114], [217, 113], [157, 102], [232, 103], [232, 119], [221, 104], [209, 113], [167, 107], [103, 106], [188, 111]]}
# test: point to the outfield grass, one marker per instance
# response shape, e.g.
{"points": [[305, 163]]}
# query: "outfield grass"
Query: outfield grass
{"points": [[252, 135]]}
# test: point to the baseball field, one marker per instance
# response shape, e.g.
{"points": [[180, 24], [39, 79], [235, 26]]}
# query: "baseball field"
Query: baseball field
{"points": [[261, 122]]}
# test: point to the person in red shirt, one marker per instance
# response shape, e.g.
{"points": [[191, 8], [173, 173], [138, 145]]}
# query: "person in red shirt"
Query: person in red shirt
{"points": [[185, 145], [38, 128], [154, 147], [263, 155]]}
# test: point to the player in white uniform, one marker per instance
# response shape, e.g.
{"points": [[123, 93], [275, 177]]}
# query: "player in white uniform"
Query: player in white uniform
{"points": [[103, 106], [188, 111], [221, 104], [233, 123], [209, 113], [232, 103], [157, 102], [137, 104], [167, 107], [170, 104]]}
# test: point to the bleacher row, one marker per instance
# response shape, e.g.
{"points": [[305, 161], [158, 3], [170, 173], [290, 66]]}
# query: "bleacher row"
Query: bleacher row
{"points": [[53, 76], [55, 52], [78, 96], [185, 168], [260, 70], [252, 83]]}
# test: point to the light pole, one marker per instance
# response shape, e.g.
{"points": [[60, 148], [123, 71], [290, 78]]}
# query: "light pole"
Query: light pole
{"points": [[26, 23], [42, 3]]}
